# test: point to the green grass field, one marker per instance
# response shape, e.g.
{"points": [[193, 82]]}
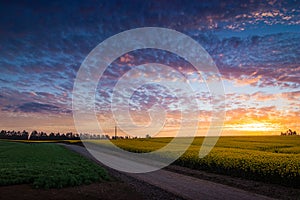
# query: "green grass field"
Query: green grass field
{"points": [[45, 165], [274, 159]]}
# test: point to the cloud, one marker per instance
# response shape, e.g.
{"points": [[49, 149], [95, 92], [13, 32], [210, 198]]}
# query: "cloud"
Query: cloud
{"points": [[248, 81], [37, 107], [34, 107], [261, 96], [270, 60], [292, 96]]}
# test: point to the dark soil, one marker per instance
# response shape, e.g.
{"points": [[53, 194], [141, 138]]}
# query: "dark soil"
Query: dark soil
{"points": [[106, 190]]}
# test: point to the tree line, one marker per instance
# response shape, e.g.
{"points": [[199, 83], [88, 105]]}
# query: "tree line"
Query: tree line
{"points": [[34, 135]]}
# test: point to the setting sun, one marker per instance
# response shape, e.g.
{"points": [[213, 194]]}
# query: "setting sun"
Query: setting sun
{"points": [[255, 126]]}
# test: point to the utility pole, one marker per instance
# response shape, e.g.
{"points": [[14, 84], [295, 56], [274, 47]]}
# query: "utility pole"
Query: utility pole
{"points": [[116, 132]]}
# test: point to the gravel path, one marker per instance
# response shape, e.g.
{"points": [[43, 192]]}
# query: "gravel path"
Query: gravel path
{"points": [[148, 191], [163, 184]]}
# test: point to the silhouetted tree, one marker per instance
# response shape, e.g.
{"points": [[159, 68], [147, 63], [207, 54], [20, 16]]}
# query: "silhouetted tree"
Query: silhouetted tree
{"points": [[34, 135], [289, 132]]}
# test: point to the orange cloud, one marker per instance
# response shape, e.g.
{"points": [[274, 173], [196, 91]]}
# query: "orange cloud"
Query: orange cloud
{"points": [[248, 81]]}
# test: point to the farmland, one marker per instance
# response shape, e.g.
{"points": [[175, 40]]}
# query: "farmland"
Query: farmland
{"points": [[274, 159], [45, 166]]}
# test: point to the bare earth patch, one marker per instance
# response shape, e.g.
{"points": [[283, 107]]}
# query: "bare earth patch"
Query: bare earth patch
{"points": [[108, 190]]}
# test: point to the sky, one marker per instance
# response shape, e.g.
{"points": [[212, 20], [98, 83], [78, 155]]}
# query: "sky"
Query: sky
{"points": [[254, 44]]}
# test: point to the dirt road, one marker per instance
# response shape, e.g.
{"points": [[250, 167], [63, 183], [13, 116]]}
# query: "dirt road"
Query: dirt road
{"points": [[184, 186]]}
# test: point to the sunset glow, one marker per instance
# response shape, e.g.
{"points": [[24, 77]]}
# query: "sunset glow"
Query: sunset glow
{"points": [[256, 127]]}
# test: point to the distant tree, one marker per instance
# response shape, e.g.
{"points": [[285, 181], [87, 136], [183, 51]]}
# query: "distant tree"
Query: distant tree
{"points": [[25, 135], [294, 133], [69, 135], [43, 136], [289, 132], [51, 136], [33, 135]]}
